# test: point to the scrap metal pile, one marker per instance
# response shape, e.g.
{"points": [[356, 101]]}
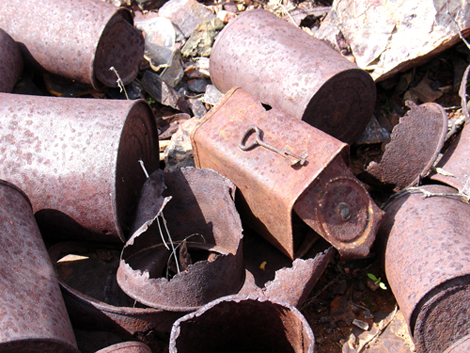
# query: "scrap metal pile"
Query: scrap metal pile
{"points": [[134, 250]]}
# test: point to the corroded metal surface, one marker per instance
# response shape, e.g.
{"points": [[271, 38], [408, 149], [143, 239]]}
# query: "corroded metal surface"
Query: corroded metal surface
{"points": [[313, 188], [78, 161], [415, 144], [126, 347], [456, 161], [461, 346], [426, 247], [300, 74], [79, 40], [92, 296], [33, 317], [198, 208], [243, 324], [280, 278], [11, 62]]}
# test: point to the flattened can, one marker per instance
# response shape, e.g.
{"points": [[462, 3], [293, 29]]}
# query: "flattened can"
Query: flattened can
{"points": [[78, 160], [33, 317], [11, 62], [79, 40], [294, 72], [281, 165], [425, 245]]}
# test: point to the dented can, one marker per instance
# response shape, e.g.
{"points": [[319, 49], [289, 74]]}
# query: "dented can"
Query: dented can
{"points": [[11, 62], [33, 317], [425, 245], [188, 251], [77, 40], [294, 72], [242, 324], [281, 165], [78, 159]]}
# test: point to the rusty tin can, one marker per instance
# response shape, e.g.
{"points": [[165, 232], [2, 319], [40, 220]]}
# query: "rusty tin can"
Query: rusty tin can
{"points": [[77, 40], [242, 324], [11, 62], [199, 220], [425, 244], [302, 170], [294, 72], [456, 163], [126, 347], [78, 160], [33, 317]]}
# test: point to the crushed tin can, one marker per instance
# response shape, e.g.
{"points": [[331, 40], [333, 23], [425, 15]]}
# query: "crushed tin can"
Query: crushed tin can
{"points": [[455, 163], [33, 314], [425, 246], [11, 62], [242, 324], [187, 248], [87, 276], [300, 75], [78, 160], [79, 41], [289, 174]]}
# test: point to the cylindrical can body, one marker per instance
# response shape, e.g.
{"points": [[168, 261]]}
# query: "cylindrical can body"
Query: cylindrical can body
{"points": [[80, 40], [78, 160], [242, 324], [11, 62], [126, 347], [294, 72], [33, 317], [426, 249], [456, 161]]}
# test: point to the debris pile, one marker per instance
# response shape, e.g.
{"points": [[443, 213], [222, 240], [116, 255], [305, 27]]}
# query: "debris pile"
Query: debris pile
{"points": [[173, 183]]}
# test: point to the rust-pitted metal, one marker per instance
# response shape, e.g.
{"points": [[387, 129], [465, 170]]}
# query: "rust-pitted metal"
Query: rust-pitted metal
{"points": [[197, 206], [78, 160], [300, 74], [426, 248], [11, 62], [126, 347], [461, 346], [93, 298], [273, 187], [79, 40], [33, 317], [415, 144], [243, 324], [456, 161]]}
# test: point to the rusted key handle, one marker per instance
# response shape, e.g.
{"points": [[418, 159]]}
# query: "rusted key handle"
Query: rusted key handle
{"points": [[292, 157]]}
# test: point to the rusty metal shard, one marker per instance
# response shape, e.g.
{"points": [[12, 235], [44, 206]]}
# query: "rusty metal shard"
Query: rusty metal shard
{"points": [[456, 162], [415, 144], [33, 314], [76, 40], [78, 159], [243, 323], [11, 62], [202, 205], [93, 298], [292, 191], [462, 345], [425, 247], [301, 75]]}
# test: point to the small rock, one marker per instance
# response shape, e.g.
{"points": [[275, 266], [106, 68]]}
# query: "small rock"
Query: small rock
{"points": [[174, 73], [226, 16], [199, 86], [373, 133], [212, 95], [186, 14], [202, 38], [179, 152], [197, 107]]}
